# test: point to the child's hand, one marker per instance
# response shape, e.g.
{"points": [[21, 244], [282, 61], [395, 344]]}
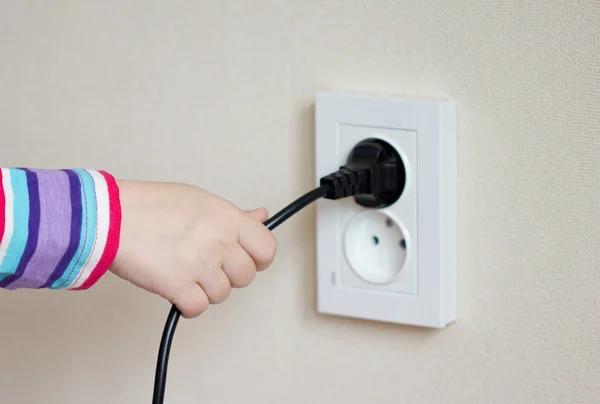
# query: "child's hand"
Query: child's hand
{"points": [[187, 245]]}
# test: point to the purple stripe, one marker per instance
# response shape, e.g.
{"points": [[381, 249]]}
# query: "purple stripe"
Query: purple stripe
{"points": [[54, 231], [75, 230], [34, 226]]}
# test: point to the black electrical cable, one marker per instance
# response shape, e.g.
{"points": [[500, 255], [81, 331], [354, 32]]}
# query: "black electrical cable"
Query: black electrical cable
{"points": [[160, 378], [296, 206]]}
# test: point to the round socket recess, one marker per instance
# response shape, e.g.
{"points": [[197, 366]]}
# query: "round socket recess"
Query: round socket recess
{"points": [[375, 246]]}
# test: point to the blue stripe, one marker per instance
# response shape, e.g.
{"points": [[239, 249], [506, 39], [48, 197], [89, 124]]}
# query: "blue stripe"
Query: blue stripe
{"points": [[17, 243], [75, 234], [33, 227], [88, 232]]}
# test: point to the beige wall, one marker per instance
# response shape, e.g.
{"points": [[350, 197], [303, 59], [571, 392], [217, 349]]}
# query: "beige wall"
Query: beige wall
{"points": [[201, 91]]}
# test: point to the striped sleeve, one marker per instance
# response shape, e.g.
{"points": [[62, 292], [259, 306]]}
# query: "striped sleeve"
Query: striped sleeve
{"points": [[59, 229]]}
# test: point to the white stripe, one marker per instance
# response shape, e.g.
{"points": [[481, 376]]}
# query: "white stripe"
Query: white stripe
{"points": [[102, 223], [8, 213]]}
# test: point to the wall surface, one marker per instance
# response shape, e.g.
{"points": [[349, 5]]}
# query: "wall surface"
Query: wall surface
{"points": [[220, 94]]}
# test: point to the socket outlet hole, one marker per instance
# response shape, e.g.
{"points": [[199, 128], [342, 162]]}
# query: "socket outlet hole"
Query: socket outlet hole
{"points": [[375, 247]]}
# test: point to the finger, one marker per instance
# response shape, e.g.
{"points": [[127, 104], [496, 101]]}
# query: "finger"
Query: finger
{"points": [[216, 285], [191, 300], [239, 267], [260, 215], [258, 242]]}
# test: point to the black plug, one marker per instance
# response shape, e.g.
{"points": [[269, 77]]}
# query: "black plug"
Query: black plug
{"points": [[374, 175]]}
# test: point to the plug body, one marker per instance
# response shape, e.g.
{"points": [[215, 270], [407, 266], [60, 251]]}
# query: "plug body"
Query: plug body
{"points": [[374, 174]]}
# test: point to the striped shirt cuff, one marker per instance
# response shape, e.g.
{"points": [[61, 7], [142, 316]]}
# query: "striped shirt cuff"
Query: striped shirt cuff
{"points": [[59, 229]]}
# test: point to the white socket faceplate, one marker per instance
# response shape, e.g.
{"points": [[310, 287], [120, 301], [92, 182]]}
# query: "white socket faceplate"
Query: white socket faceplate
{"points": [[397, 264]]}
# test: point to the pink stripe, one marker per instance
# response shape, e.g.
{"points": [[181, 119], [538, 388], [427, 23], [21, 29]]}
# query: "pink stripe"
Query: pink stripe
{"points": [[114, 233], [2, 208]]}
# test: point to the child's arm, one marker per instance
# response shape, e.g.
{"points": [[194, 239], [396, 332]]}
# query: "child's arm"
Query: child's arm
{"points": [[63, 229]]}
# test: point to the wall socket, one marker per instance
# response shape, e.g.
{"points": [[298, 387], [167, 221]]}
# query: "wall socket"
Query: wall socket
{"points": [[396, 264]]}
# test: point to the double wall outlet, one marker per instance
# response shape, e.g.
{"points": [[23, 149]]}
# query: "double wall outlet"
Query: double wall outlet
{"points": [[396, 264]]}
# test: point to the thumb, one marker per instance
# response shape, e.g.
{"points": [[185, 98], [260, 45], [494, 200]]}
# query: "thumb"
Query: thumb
{"points": [[259, 214]]}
